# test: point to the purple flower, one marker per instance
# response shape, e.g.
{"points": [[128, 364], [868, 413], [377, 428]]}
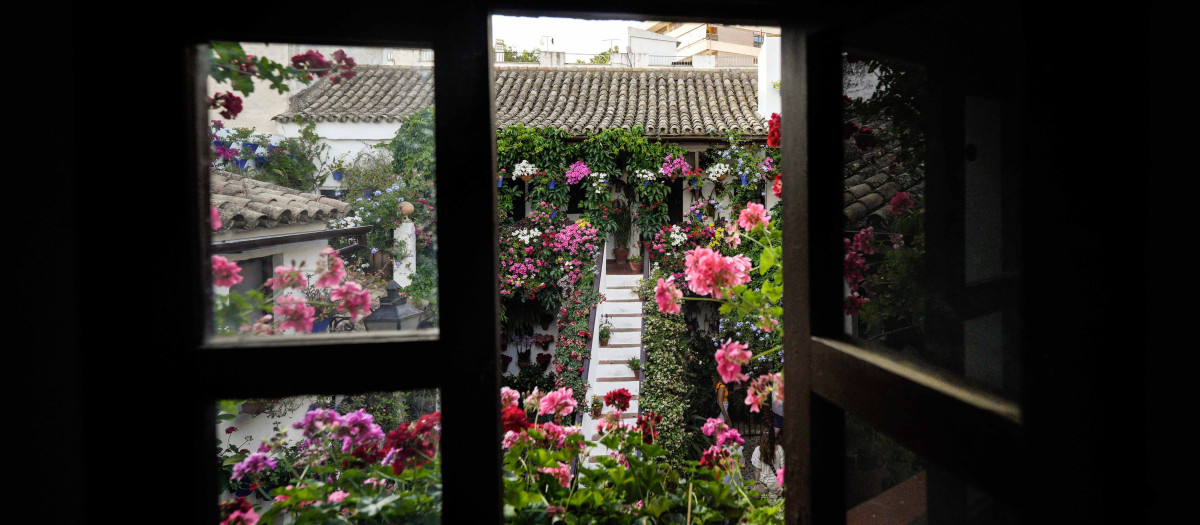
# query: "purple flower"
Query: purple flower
{"points": [[357, 428], [256, 462], [317, 420]]}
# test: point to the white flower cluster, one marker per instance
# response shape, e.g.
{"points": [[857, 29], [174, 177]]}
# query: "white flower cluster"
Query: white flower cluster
{"points": [[599, 181], [527, 235], [344, 222], [523, 168], [645, 175], [715, 171], [677, 236]]}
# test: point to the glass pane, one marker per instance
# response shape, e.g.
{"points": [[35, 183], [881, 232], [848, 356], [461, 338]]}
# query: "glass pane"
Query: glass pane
{"points": [[321, 176], [887, 483], [930, 185], [661, 176], [330, 457]]}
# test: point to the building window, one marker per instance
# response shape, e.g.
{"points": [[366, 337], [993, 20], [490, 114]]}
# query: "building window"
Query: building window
{"points": [[710, 33]]}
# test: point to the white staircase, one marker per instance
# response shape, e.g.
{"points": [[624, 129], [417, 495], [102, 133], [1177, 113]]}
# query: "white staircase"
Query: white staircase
{"points": [[609, 368]]}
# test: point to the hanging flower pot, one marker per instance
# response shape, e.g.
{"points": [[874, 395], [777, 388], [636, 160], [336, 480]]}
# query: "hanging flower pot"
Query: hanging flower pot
{"points": [[337, 175], [406, 208], [722, 177], [249, 147], [546, 320], [217, 143], [253, 408], [241, 163], [744, 182], [260, 161], [526, 177], [500, 182], [551, 183]]}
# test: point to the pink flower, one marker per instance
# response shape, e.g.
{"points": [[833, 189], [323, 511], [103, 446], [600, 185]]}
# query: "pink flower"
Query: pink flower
{"points": [[901, 202], [331, 269], [262, 326], [714, 425], [287, 277], [708, 272], [667, 295], [753, 215], [533, 399], [734, 237], [338, 496], [214, 218], [294, 313], [731, 435], [351, 297], [509, 397], [779, 476], [854, 303], [253, 464], [562, 473], [225, 273], [561, 402], [777, 187], [730, 358], [243, 517]]}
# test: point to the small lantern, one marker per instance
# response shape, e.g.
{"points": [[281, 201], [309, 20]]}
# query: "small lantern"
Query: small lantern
{"points": [[391, 315], [407, 208]]}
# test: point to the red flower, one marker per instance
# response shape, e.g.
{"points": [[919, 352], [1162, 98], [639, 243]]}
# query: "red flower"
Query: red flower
{"points": [[773, 131], [901, 203], [618, 399], [230, 430], [514, 418], [778, 186], [231, 103]]}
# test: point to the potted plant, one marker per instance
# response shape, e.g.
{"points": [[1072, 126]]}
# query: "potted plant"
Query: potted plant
{"points": [[605, 331], [338, 167], [623, 224], [318, 298], [635, 364], [635, 263], [597, 406]]}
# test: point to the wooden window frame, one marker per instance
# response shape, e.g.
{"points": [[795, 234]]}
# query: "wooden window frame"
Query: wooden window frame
{"points": [[463, 363]]}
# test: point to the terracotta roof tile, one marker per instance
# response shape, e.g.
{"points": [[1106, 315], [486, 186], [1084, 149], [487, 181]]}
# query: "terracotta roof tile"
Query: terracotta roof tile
{"points": [[871, 179], [245, 203], [669, 102]]}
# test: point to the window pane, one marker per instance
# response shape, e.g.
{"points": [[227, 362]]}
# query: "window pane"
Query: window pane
{"points": [[930, 182], [887, 483], [331, 455], [321, 178]]}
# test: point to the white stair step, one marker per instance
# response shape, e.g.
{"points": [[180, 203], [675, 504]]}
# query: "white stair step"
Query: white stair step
{"points": [[626, 381], [626, 322], [621, 280], [614, 294], [605, 353], [613, 370], [612, 307], [625, 338]]}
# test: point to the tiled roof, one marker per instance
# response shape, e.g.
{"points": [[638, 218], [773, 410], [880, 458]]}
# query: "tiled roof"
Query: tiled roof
{"points": [[871, 178], [672, 102], [375, 94], [245, 204], [665, 102]]}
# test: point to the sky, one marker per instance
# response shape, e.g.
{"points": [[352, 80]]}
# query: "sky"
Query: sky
{"points": [[572, 35]]}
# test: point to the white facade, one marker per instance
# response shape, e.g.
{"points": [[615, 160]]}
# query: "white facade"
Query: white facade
{"points": [[769, 70]]}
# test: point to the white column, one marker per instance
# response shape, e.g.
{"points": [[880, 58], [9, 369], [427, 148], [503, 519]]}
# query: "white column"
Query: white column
{"points": [[769, 66], [402, 270]]}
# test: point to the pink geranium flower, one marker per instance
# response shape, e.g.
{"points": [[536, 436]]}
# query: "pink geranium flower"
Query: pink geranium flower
{"points": [[667, 295], [509, 397], [779, 476], [331, 269], [713, 426], [351, 297], [708, 272], [287, 277], [294, 312], [562, 473], [730, 357], [225, 273], [901, 202], [214, 218], [338, 496], [561, 402], [242, 517], [753, 215]]}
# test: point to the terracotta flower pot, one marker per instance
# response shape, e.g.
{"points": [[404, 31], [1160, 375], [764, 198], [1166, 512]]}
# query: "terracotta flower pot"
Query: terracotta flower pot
{"points": [[603, 341], [526, 177], [621, 255], [635, 266]]}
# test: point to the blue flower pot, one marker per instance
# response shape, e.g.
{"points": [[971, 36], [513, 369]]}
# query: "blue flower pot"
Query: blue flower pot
{"points": [[250, 148], [217, 143], [367, 193], [262, 161], [321, 325], [554, 214], [500, 182], [744, 180], [241, 163], [337, 175], [551, 183], [646, 184]]}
